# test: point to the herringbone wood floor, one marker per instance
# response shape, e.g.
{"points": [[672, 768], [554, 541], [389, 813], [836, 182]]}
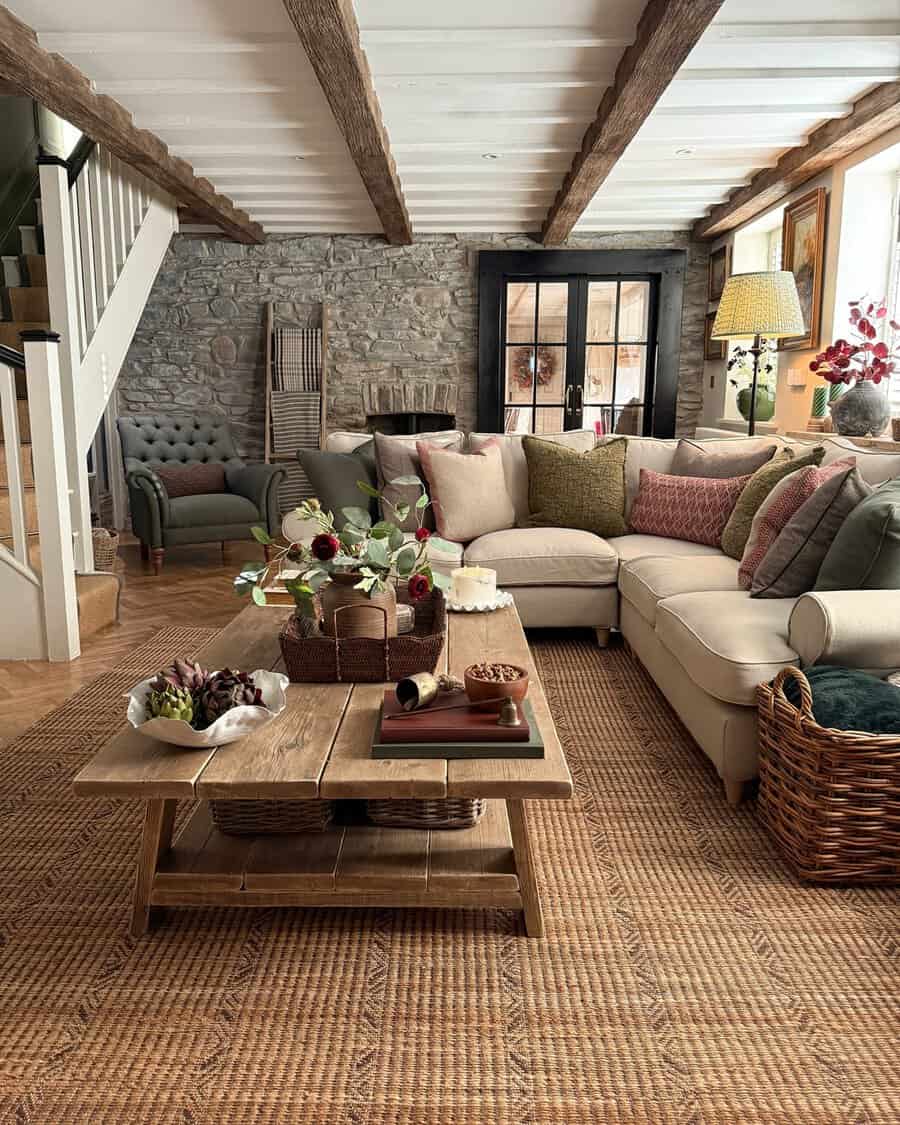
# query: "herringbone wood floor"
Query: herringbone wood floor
{"points": [[193, 589]]}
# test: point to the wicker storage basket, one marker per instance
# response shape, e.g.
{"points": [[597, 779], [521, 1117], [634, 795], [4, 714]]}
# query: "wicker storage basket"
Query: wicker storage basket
{"points": [[271, 818], [106, 548], [363, 660], [453, 812], [830, 798]]}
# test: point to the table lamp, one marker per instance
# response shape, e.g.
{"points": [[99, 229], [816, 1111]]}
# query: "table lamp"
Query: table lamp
{"points": [[758, 307]]}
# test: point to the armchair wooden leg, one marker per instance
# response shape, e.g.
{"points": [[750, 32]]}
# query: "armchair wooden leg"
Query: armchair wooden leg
{"points": [[156, 556], [145, 553]]}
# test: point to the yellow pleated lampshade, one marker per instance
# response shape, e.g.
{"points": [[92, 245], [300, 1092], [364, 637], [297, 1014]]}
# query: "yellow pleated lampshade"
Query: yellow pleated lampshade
{"points": [[759, 304]]}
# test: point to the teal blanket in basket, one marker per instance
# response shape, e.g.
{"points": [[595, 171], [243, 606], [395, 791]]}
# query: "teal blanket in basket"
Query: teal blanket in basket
{"points": [[847, 699]]}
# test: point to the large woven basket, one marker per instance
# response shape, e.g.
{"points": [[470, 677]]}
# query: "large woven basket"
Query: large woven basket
{"points": [[830, 798], [325, 659], [106, 548], [271, 818], [452, 812]]}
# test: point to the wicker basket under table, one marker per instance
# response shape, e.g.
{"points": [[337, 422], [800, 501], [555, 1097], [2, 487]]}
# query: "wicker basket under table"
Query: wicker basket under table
{"points": [[830, 798], [446, 812], [270, 818]]}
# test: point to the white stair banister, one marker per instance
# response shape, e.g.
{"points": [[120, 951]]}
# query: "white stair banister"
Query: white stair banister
{"points": [[10, 418], [45, 410]]}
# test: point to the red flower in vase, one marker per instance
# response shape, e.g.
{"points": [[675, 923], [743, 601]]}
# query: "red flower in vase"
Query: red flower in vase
{"points": [[418, 587], [324, 547], [422, 533]]}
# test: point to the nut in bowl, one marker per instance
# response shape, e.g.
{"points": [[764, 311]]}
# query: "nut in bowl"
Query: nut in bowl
{"points": [[186, 705], [490, 682]]}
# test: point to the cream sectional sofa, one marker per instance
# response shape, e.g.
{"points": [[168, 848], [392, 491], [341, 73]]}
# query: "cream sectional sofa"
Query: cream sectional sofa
{"points": [[703, 639]]}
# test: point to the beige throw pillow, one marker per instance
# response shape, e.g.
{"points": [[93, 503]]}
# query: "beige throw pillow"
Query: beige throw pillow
{"points": [[580, 490], [694, 460], [467, 490], [398, 457]]}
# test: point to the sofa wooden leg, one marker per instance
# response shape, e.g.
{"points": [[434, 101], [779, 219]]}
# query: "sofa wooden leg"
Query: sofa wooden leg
{"points": [[156, 556], [145, 553], [734, 792], [602, 634]]}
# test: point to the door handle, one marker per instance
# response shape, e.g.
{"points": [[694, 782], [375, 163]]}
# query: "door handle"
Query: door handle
{"points": [[569, 390], [579, 392]]}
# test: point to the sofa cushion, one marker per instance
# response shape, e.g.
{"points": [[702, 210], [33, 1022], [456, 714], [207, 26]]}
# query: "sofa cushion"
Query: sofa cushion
{"points": [[515, 467], [692, 508], [697, 459], [629, 547], [545, 556], [579, 490], [467, 490], [193, 479], [726, 641], [645, 582], [398, 457], [865, 554], [334, 477], [216, 509]]}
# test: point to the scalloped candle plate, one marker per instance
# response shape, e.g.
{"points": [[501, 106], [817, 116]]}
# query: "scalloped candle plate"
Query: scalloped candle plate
{"points": [[501, 601]]}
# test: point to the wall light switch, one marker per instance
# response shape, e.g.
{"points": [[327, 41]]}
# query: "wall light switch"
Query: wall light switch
{"points": [[796, 377]]}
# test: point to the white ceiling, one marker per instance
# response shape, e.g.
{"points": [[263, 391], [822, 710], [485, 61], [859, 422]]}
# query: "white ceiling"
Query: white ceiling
{"points": [[485, 101]]}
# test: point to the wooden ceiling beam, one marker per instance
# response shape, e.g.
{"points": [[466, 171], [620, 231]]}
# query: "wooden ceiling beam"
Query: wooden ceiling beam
{"points": [[875, 113], [666, 34], [330, 36], [62, 88]]}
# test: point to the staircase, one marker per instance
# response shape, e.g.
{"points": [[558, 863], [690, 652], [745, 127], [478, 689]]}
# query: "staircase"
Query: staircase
{"points": [[83, 271]]}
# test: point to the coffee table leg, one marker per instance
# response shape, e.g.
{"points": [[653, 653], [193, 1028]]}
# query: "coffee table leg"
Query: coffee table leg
{"points": [[528, 888], [159, 818]]}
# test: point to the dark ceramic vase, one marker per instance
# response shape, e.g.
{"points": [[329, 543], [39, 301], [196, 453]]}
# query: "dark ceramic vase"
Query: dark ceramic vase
{"points": [[862, 411]]}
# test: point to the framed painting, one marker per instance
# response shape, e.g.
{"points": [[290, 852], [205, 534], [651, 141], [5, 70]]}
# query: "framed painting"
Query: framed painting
{"points": [[719, 271], [713, 349], [802, 252]]}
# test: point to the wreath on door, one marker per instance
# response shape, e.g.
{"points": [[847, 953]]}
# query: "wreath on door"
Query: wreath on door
{"points": [[523, 365]]}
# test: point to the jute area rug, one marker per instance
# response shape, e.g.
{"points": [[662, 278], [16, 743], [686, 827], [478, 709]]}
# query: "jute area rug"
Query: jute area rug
{"points": [[686, 976]]}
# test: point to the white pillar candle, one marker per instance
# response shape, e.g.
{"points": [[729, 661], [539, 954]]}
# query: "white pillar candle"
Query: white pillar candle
{"points": [[473, 585]]}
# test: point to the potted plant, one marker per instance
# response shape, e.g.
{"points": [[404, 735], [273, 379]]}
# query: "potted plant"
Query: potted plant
{"points": [[861, 364], [348, 572], [741, 363]]}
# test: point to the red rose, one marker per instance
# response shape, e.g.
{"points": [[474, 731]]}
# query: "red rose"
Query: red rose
{"points": [[422, 533], [418, 587], [324, 547]]}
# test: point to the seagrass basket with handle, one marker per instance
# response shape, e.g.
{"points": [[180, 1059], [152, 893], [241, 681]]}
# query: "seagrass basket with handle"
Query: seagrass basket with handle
{"points": [[830, 798]]}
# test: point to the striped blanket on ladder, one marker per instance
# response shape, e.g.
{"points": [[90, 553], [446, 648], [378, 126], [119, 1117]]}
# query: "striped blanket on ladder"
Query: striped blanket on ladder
{"points": [[296, 404]]}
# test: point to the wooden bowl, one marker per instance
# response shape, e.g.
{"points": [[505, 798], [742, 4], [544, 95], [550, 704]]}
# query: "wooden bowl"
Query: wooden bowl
{"points": [[479, 690]]}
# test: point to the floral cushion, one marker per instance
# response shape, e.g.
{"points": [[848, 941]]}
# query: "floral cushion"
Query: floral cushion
{"points": [[692, 508]]}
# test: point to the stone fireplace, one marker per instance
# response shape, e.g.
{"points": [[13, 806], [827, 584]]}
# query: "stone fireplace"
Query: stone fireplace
{"points": [[410, 406]]}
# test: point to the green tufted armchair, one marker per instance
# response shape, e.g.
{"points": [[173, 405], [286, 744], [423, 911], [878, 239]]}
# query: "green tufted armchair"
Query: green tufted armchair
{"points": [[150, 441]]}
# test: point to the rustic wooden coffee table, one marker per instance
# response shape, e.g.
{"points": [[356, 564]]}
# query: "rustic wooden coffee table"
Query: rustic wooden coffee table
{"points": [[319, 748]]}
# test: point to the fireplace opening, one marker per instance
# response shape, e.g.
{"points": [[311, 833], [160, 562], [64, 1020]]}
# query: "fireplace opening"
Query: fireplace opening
{"points": [[409, 407]]}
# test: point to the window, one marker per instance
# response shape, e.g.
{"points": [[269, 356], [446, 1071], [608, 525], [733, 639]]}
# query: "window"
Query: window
{"points": [[596, 348]]}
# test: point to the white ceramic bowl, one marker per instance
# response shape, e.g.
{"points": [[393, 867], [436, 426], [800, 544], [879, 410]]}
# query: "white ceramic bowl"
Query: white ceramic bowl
{"points": [[234, 724]]}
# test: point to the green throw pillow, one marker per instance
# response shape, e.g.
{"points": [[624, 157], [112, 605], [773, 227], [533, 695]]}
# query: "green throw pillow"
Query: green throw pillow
{"points": [[757, 488], [865, 554], [333, 477], [571, 489]]}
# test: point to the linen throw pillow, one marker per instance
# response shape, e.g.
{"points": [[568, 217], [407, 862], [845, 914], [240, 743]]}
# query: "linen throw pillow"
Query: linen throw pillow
{"points": [[792, 563], [581, 490], [467, 490], [865, 554], [758, 487], [692, 508], [192, 480], [693, 460], [334, 477], [397, 457], [778, 508]]}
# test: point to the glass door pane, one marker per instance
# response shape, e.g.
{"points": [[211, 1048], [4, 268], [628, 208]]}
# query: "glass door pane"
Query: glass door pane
{"points": [[535, 358], [616, 347]]}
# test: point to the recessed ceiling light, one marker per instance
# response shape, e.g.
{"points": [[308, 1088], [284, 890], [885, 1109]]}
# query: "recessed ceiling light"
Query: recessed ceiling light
{"points": [[686, 151], [490, 156]]}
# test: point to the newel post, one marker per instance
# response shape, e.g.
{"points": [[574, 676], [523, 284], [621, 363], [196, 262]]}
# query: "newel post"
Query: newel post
{"points": [[51, 486]]}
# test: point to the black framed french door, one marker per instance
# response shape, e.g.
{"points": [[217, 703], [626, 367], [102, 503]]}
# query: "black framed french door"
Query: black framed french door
{"points": [[579, 339]]}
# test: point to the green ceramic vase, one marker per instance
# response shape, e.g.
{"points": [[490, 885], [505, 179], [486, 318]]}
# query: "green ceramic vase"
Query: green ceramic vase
{"points": [[765, 404]]}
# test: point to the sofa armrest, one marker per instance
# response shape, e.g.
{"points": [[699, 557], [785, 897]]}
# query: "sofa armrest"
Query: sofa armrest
{"points": [[851, 628], [149, 502], [259, 484]]}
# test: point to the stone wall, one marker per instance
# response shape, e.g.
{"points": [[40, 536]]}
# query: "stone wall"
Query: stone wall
{"points": [[397, 312]]}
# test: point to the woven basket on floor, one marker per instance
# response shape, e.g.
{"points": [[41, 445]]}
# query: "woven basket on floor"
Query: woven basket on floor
{"points": [[831, 798], [453, 812], [106, 548], [324, 659], [271, 818]]}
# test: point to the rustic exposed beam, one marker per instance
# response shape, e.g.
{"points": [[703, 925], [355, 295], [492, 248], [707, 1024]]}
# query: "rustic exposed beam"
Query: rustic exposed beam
{"points": [[875, 113], [62, 88], [666, 33], [330, 36]]}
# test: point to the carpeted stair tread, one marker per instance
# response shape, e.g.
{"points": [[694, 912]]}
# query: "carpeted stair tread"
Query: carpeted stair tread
{"points": [[98, 602]]}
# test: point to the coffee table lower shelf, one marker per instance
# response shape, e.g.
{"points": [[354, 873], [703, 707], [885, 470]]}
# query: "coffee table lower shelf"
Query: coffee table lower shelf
{"points": [[358, 865]]}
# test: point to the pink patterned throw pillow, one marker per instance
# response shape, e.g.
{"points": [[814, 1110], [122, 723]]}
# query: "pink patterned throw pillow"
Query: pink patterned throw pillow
{"points": [[780, 506], [691, 508]]}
